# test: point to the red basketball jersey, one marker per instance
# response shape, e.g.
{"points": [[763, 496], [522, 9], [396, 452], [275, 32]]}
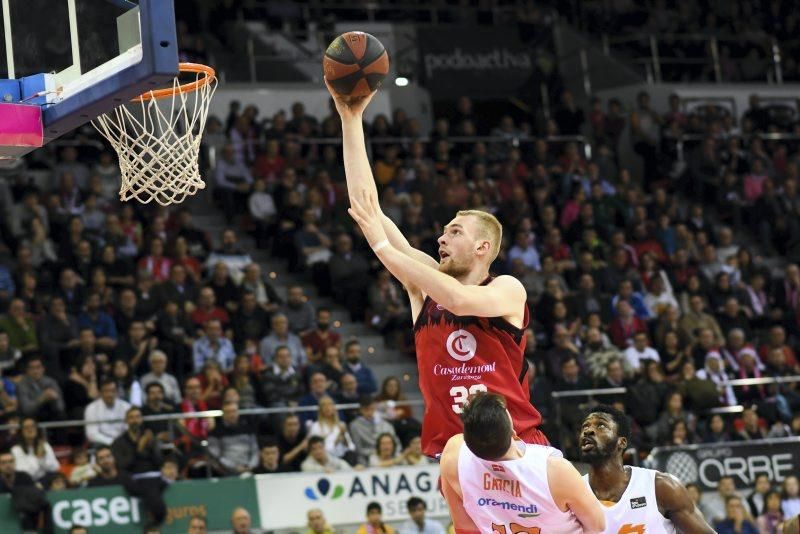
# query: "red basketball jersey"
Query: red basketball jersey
{"points": [[458, 356]]}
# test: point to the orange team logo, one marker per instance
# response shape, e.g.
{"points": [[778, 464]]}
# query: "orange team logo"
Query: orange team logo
{"points": [[461, 345], [627, 528]]}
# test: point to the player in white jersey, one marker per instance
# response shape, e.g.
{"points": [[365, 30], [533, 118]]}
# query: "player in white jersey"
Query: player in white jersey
{"points": [[636, 501], [495, 483]]}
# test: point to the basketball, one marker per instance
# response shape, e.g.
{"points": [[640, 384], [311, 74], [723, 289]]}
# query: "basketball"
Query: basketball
{"points": [[355, 64]]}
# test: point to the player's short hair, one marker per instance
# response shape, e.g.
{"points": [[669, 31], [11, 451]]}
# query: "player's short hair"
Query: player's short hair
{"points": [[487, 427], [106, 381], [730, 498], [489, 228], [622, 421], [413, 502], [374, 506], [313, 440], [366, 400], [152, 385]]}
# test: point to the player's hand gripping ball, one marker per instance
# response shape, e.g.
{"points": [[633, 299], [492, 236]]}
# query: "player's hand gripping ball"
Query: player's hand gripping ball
{"points": [[355, 64]]}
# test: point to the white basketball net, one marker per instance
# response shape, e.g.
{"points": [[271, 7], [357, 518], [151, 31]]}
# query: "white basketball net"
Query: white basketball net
{"points": [[158, 143]]}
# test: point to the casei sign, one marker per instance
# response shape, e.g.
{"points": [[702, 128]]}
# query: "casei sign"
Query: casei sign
{"points": [[111, 510], [97, 512], [705, 464]]}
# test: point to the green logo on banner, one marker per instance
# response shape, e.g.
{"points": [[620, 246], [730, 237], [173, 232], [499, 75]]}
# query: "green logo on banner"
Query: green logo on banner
{"points": [[323, 487]]}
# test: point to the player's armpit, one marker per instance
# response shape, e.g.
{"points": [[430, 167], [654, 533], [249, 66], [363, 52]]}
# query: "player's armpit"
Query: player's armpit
{"points": [[570, 491], [504, 296], [448, 468], [461, 520], [676, 505]]}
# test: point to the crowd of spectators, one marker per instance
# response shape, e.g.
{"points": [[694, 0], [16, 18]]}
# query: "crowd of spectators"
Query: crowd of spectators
{"points": [[745, 31], [759, 511], [112, 312], [115, 312], [620, 272], [416, 523], [633, 283]]}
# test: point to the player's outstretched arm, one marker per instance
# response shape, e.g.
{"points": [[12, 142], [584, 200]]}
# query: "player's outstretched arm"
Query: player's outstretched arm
{"points": [[504, 297], [357, 169], [676, 505], [570, 491], [448, 472]]}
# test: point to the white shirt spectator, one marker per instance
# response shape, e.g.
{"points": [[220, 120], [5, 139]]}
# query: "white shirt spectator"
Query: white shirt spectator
{"points": [[134, 394], [635, 356], [333, 464], [235, 261], [37, 467], [712, 506], [222, 351], [172, 391], [719, 376], [332, 433], [262, 206], [105, 433], [229, 175], [529, 256], [271, 342]]}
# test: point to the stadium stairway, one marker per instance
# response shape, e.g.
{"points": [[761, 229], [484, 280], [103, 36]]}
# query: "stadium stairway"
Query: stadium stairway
{"points": [[383, 361]]}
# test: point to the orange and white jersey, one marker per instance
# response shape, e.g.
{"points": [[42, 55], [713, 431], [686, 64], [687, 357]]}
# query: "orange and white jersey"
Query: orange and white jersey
{"points": [[512, 496], [636, 512]]}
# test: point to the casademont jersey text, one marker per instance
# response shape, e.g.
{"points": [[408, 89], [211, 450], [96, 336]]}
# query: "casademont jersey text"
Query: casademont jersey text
{"points": [[458, 356]]}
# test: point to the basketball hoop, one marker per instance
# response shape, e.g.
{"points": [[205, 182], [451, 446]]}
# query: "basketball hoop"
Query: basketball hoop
{"points": [[158, 140]]}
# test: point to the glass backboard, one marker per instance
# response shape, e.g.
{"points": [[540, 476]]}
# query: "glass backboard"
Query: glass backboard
{"points": [[98, 53]]}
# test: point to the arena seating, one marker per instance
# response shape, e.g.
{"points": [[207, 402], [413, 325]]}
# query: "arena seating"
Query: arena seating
{"points": [[260, 294]]}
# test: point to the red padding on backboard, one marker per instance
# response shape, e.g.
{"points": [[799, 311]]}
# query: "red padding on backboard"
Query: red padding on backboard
{"points": [[20, 125]]}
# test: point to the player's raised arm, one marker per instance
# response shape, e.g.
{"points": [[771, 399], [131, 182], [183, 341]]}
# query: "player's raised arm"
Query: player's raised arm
{"points": [[569, 490], [505, 296], [677, 506], [448, 473], [357, 169]]}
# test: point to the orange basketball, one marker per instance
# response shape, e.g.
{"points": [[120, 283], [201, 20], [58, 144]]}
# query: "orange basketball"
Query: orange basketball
{"points": [[355, 64]]}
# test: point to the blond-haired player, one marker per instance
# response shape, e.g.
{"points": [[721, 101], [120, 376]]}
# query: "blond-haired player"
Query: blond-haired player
{"points": [[468, 326]]}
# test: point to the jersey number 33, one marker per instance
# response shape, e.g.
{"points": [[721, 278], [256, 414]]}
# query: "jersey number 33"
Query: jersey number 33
{"points": [[461, 394]]}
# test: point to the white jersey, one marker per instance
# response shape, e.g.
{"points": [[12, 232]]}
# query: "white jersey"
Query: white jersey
{"points": [[636, 512], [512, 496]]}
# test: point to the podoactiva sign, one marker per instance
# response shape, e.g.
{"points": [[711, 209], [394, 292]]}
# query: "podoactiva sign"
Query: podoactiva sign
{"points": [[483, 62], [705, 464]]}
